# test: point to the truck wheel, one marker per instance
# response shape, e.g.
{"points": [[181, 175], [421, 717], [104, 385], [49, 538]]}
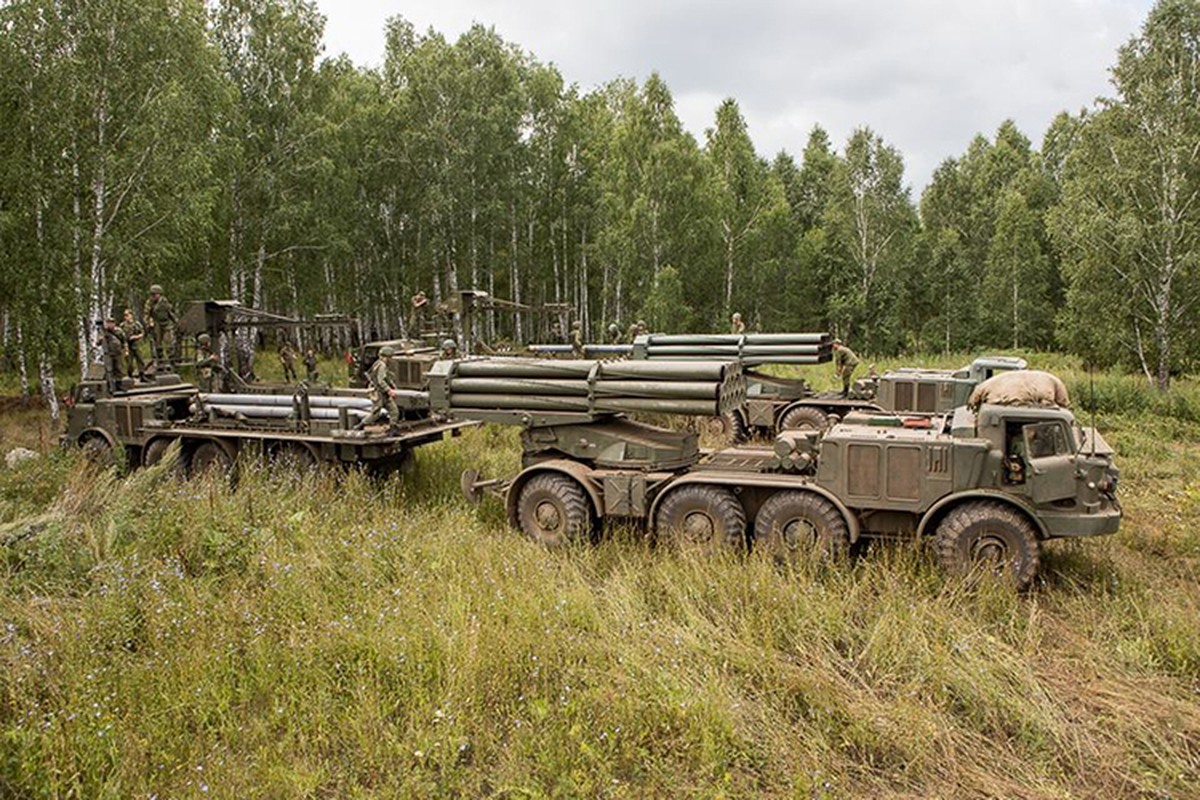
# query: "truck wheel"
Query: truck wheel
{"points": [[703, 518], [792, 525], [155, 451], [804, 418], [728, 427], [553, 510], [210, 456], [97, 450], [988, 536], [293, 457]]}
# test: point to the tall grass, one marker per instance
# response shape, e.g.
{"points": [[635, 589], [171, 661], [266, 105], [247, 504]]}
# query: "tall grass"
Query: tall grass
{"points": [[332, 636]]}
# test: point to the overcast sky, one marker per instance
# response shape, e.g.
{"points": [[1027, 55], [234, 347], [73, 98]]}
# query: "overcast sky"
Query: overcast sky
{"points": [[925, 74]]}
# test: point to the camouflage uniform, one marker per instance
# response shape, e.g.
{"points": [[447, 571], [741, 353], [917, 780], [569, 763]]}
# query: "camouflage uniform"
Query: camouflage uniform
{"points": [[207, 365], [844, 364], [134, 332], [577, 339], [112, 339], [287, 359], [310, 365], [160, 318], [379, 379], [614, 334], [736, 326]]}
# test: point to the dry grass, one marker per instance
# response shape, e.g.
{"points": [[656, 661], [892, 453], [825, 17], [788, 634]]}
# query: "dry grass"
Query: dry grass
{"points": [[333, 637]]}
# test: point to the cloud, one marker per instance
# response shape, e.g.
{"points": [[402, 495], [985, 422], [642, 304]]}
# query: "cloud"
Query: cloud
{"points": [[925, 74]]}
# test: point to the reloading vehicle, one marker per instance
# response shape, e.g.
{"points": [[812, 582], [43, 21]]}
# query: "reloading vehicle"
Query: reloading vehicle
{"points": [[295, 427], [775, 403], [988, 487]]}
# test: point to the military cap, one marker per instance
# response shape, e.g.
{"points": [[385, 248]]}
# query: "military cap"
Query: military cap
{"points": [[387, 350], [155, 289]]}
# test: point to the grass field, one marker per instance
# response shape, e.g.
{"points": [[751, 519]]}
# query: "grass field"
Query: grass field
{"points": [[329, 636]]}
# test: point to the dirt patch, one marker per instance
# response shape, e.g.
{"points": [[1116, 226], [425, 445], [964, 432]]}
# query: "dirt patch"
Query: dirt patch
{"points": [[16, 402]]}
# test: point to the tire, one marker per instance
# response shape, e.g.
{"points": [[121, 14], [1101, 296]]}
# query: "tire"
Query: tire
{"points": [[553, 510], [97, 450], [793, 526], [989, 536], [210, 457], [701, 518], [293, 457], [728, 427], [155, 451], [804, 418]]}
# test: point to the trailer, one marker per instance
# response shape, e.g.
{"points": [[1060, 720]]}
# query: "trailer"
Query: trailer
{"points": [[987, 487], [138, 421]]}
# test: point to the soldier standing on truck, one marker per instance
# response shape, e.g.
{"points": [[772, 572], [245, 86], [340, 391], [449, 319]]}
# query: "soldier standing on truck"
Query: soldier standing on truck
{"points": [[160, 319], [736, 326], [383, 390], [133, 343], [207, 364], [112, 340], [614, 333], [844, 364], [310, 365], [287, 359], [417, 321], [637, 329]]}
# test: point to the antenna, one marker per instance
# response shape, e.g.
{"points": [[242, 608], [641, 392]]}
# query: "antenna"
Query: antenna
{"points": [[1092, 389]]}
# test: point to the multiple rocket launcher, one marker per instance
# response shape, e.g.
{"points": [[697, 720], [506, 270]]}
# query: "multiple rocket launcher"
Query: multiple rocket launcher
{"points": [[750, 350]]}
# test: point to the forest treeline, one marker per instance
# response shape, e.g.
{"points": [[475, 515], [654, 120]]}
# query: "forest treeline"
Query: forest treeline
{"points": [[212, 148]]}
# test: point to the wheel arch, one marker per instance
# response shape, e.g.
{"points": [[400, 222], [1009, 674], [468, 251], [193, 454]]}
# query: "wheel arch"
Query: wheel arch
{"points": [[97, 432], [938, 511], [577, 472], [763, 482]]}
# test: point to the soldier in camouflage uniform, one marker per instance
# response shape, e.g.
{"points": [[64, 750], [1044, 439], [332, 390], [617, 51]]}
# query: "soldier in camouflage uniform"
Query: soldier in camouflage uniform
{"points": [[577, 339], [112, 340], [736, 326], [207, 364], [844, 364], [637, 329], [383, 390], [287, 359], [133, 343], [310, 366], [160, 319], [614, 333]]}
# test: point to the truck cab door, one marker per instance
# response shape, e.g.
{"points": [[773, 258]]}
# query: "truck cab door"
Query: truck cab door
{"points": [[1051, 459]]}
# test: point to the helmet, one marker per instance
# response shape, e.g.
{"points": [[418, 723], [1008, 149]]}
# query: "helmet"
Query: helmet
{"points": [[203, 338], [449, 344], [155, 289], [387, 350], [576, 324]]}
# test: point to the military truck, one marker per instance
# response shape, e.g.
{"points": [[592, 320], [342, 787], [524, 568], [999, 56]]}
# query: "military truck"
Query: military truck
{"points": [[987, 487], [140, 420]]}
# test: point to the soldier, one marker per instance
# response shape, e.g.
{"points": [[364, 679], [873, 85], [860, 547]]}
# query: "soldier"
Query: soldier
{"points": [[417, 322], [614, 333], [736, 326], [112, 340], [844, 364], [310, 365], [207, 364], [133, 343], [637, 329], [577, 339], [383, 390], [160, 319], [287, 359], [449, 348]]}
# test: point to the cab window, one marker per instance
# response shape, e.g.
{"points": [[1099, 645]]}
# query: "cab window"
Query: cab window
{"points": [[1044, 439]]}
